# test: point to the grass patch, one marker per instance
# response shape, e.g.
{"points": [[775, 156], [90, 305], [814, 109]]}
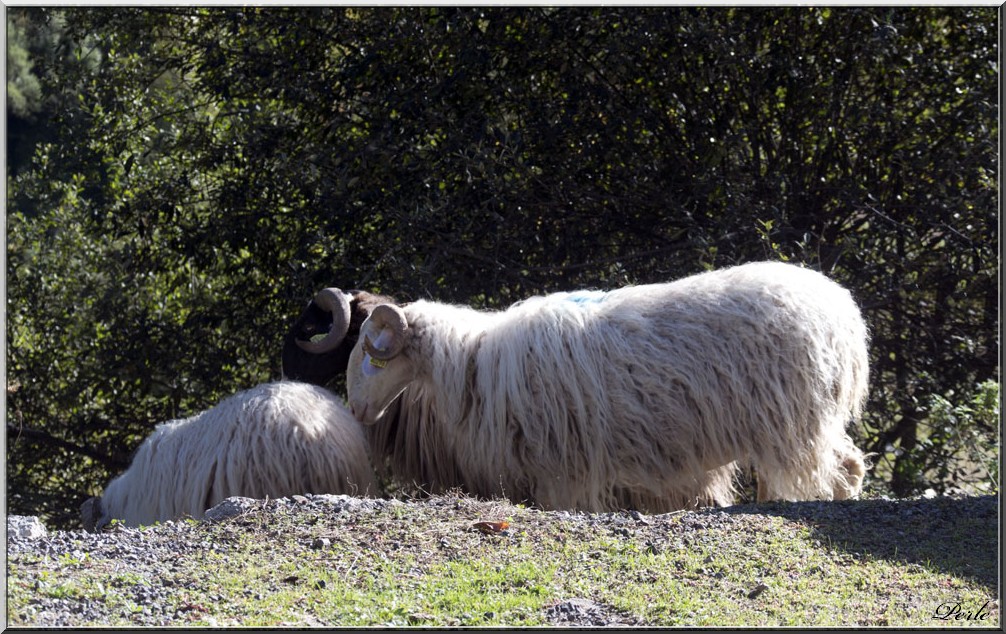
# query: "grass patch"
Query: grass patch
{"points": [[425, 564]]}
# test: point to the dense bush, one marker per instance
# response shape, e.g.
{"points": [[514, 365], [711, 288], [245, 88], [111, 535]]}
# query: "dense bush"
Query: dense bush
{"points": [[218, 166]]}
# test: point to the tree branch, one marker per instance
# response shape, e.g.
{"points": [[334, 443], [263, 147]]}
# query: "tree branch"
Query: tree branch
{"points": [[43, 437]]}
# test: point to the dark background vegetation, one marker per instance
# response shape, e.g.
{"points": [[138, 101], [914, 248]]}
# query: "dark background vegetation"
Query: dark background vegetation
{"points": [[181, 180]]}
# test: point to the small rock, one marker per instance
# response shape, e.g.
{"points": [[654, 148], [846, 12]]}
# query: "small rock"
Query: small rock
{"points": [[336, 502], [230, 507], [636, 515], [320, 543], [580, 612], [758, 589], [25, 527]]}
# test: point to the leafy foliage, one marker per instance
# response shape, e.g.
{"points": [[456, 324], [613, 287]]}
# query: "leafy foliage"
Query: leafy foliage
{"points": [[219, 165], [36, 47]]}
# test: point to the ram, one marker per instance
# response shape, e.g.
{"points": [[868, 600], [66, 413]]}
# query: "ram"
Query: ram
{"points": [[274, 440], [411, 447], [577, 398], [316, 348]]}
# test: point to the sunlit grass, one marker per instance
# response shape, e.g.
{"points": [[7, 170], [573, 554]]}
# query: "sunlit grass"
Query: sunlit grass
{"points": [[424, 565]]}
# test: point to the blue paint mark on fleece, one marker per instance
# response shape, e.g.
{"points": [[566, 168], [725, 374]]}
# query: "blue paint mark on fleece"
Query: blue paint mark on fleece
{"points": [[586, 297]]}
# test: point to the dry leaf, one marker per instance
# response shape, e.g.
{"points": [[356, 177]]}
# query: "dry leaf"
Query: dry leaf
{"points": [[491, 527]]}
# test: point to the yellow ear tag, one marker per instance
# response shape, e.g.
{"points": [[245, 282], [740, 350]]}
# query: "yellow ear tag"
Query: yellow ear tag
{"points": [[378, 363]]}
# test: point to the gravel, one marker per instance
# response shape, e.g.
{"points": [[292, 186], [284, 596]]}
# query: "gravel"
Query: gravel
{"points": [[149, 554]]}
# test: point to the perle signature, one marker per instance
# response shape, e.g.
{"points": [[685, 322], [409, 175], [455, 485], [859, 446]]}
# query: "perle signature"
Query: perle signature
{"points": [[957, 612]]}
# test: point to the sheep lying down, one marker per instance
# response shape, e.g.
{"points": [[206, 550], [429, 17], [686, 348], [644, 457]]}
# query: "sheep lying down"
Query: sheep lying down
{"points": [[274, 440], [582, 400]]}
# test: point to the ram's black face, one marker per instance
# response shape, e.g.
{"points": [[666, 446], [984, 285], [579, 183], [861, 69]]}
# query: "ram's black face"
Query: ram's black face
{"points": [[324, 368], [301, 365]]}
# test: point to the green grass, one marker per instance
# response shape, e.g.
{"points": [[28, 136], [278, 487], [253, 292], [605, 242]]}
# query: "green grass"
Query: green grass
{"points": [[419, 564]]}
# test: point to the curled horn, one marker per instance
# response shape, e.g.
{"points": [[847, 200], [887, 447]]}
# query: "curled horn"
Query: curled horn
{"points": [[393, 318], [333, 301]]}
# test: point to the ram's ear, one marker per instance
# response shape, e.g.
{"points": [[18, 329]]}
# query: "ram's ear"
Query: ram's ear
{"points": [[389, 327], [384, 339], [373, 365]]}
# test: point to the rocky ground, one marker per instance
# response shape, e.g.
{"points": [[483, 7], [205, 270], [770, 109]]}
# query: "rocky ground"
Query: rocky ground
{"points": [[42, 559]]}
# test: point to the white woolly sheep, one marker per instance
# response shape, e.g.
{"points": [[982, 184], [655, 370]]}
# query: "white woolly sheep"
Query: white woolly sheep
{"points": [[274, 440], [410, 448], [578, 398]]}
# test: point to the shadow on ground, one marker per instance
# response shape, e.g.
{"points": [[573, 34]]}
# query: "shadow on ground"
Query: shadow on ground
{"points": [[956, 535]]}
